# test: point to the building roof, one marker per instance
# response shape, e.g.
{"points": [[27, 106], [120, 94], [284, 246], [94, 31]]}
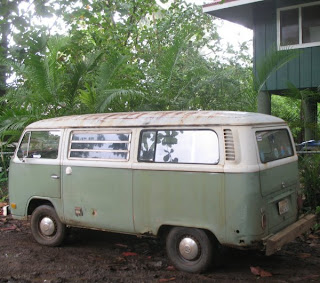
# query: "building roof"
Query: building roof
{"points": [[236, 11], [150, 119]]}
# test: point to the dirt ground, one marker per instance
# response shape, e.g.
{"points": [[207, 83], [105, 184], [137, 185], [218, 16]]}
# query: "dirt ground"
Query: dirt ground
{"points": [[93, 256]]}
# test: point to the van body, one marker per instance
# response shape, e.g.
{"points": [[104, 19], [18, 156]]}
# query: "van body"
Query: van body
{"points": [[200, 178]]}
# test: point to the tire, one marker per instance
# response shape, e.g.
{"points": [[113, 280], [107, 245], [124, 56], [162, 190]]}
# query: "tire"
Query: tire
{"points": [[46, 227], [190, 249]]}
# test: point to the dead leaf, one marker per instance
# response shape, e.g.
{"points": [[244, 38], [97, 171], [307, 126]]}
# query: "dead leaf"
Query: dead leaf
{"points": [[171, 268], [167, 280], [304, 255], [129, 254], [10, 228], [259, 272]]}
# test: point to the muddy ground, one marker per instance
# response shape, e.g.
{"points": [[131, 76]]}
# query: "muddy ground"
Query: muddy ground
{"points": [[93, 256]]}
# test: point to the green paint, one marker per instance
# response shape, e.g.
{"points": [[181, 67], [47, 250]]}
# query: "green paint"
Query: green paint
{"points": [[179, 199], [104, 196], [303, 72], [32, 180]]}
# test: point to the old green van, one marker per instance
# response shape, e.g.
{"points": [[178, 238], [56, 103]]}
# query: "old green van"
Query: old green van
{"points": [[201, 179]]}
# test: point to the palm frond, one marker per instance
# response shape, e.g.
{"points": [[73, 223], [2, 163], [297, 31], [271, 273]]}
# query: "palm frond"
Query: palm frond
{"points": [[168, 60], [110, 95], [89, 98], [109, 69], [79, 70], [15, 120], [272, 62]]}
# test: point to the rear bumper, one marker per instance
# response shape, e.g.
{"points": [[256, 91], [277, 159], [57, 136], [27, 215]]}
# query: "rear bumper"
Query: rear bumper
{"points": [[275, 242]]}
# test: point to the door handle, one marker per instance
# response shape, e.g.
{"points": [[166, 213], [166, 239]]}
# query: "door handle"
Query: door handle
{"points": [[55, 176]]}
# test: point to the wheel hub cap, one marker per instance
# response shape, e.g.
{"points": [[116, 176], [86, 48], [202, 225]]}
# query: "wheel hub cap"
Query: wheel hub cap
{"points": [[47, 226], [189, 248]]}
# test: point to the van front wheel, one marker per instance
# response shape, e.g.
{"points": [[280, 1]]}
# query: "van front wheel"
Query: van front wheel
{"points": [[46, 227], [189, 249]]}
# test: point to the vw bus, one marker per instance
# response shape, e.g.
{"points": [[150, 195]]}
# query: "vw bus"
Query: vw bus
{"points": [[200, 179]]}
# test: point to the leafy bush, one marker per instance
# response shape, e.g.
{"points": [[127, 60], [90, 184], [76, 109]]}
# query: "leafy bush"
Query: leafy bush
{"points": [[3, 186], [310, 179], [5, 156]]}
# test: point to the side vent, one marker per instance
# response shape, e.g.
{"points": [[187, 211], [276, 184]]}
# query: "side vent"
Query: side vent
{"points": [[229, 145]]}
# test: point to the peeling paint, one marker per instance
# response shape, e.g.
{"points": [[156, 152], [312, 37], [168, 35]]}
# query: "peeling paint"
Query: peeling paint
{"points": [[166, 118]]}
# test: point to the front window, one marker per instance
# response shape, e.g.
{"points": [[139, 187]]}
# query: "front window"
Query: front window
{"points": [[274, 145], [299, 26], [179, 146], [40, 145]]}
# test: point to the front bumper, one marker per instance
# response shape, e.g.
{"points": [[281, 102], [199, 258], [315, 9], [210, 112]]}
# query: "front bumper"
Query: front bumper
{"points": [[273, 243]]}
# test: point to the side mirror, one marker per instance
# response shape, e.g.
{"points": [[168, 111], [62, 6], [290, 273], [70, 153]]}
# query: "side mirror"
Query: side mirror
{"points": [[21, 154]]}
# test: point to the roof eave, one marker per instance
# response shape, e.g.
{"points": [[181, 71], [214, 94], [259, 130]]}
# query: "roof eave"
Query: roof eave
{"points": [[237, 11]]}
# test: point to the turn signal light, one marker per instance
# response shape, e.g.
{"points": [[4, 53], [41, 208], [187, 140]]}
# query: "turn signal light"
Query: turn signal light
{"points": [[13, 205]]}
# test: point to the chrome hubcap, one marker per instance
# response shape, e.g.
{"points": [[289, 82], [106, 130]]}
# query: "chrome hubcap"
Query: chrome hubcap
{"points": [[189, 248], [47, 226]]}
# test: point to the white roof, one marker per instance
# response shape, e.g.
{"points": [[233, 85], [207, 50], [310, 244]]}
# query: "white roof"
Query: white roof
{"points": [[149, 119]]}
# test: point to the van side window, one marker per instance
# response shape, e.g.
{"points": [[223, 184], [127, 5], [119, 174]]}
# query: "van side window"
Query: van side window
{"points": [[179, 146], [40, 145], [274, 145], [95, 145]]}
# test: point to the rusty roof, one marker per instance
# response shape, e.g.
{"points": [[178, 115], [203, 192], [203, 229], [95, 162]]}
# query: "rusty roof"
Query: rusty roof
{"points": [[152, 118]]}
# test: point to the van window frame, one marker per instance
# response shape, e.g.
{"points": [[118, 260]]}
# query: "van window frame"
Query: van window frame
{"points": [[175, 129], [31, 159], [92, 131], [274, 129]]}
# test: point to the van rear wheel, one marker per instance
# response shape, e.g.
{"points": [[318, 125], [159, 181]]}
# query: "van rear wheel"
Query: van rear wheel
{"points": [[46, 227], [189, 249]]}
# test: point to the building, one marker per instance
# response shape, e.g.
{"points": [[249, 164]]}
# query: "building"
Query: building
{"points": [[281, 25]]}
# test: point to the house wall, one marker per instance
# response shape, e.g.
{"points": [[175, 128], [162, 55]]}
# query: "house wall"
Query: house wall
{"points": [[303, 71]]}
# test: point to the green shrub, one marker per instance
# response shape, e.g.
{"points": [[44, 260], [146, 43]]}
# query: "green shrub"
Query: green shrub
{"points": [[3, 186], [309, 166]]}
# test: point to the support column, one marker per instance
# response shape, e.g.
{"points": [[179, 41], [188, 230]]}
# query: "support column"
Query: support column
{"points": [[310, 108], [264, 102]]}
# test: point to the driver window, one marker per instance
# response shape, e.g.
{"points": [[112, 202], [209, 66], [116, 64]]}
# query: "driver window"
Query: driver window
{"points": [[40, 145]]}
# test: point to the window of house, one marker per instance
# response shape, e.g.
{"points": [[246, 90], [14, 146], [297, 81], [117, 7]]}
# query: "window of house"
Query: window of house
{"points": [[299, 26], [104, 146], [40, 145], [179, 146]]}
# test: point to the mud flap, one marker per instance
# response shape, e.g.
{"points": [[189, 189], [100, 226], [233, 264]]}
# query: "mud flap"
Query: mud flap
{"points": [[275, 242]]}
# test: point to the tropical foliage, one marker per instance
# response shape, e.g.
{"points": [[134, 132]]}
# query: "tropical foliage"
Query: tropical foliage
{"points": [[119, 56]]}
